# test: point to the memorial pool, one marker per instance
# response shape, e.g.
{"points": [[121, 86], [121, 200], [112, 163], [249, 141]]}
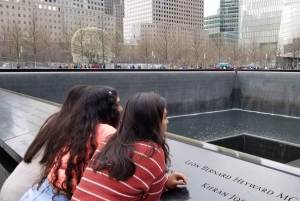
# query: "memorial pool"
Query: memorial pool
{"points": [[210, 126]]}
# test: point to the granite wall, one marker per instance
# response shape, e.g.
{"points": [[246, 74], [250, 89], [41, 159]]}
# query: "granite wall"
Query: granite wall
{"points": [[270, 92], [186, 92]]}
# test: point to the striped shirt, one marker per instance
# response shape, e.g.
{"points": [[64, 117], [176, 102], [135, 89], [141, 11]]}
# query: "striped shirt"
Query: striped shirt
{"points": [[147, 183]]}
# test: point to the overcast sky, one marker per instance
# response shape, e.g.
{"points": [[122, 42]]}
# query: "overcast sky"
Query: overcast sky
{"points": [[211, 7]]}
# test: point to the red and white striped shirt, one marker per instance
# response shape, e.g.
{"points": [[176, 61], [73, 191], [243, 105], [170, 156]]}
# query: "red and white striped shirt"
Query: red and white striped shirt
{"points": [[147, 183]]}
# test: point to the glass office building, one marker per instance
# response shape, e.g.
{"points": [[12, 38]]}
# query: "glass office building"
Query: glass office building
{"points": [[289, 34], [260, 21], [225, 24]]}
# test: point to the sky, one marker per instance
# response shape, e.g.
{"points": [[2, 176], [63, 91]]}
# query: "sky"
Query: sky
{"points": [[211, 7]]}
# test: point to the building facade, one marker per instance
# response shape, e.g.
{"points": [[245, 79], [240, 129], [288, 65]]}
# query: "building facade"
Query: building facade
{"points": [[289, 34], [55, 14], [272, 26], [115, 8], [58, 18], [260, 21], [118, 13], [225, 24], [185, 13]]}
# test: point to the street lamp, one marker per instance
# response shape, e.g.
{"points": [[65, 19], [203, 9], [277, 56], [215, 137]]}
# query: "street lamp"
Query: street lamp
{"points": [[21, 57], [266, 61], [114, 60], [152, 59]]}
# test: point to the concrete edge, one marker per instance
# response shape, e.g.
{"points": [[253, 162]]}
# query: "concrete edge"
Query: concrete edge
{"points": [[238, 155], [34, 98]]}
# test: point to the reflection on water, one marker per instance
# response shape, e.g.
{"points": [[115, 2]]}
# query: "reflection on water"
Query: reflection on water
{"points": [[210, 126]]}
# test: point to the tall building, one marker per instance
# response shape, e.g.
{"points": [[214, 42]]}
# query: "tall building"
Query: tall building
{"points": [[115, 8], [272, 27], [225, 24], [58, 19], [55, 15], [118, 13], [260, 21], [289, 33], [184, 13]]}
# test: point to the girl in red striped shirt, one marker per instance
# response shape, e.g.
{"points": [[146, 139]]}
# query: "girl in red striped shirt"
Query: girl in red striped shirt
{"points": [[131, 164]]}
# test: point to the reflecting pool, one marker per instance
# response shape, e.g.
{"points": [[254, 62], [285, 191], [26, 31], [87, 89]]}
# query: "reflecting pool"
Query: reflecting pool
{"points": [[209, 126]]}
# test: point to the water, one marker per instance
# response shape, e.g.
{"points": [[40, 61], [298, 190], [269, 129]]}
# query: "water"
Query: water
{"points": [[211, 126]]}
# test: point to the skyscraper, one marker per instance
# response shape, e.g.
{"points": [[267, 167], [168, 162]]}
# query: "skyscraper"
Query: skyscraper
{"points": [[260, 21], [115, 8], [272, 27], [185, 13], [225, 24], [58, 18], [55, 15]]}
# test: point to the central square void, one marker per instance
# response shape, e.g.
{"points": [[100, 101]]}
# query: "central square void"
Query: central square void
{"points": [[274, 150]]}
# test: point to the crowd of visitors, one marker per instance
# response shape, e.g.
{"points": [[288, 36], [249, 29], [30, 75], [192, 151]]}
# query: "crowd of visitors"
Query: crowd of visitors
{"points": [[78, 66]]}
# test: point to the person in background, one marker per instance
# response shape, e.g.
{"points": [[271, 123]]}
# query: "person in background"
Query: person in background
{"points": [[73, 142], [131, 165]]}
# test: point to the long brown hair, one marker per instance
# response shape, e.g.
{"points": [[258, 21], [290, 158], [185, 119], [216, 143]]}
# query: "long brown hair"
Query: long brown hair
{"points": [[75, 132], [46, 130], [142, 121]]}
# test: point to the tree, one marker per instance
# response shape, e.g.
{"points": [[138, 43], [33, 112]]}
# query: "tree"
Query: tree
{"points": [[234, 53], [33, 37], [6, 43], [65, 41], [104, 45], [179, 48], [197, 47], [145, 48], [16, 38], [294, 49], [48, 46], [243, 54], [163, 43], [78, 47], [269, 53], [116, 45], [279, 58], [253, 51], [87, 45], [219, 49]]}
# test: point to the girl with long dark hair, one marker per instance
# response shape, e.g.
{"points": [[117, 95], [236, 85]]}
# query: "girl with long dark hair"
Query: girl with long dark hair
{"points": [[131, 164], [73, 142], [27, 172]]}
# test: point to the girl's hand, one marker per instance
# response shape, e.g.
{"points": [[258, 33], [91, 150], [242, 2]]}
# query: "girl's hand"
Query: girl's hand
{"points": [[176, 179]]}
